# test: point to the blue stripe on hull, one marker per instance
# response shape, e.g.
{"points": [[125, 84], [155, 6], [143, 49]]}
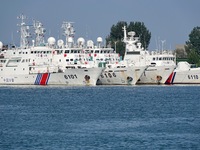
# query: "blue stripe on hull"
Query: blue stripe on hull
{"points": [[174, 74], [38, 79]]}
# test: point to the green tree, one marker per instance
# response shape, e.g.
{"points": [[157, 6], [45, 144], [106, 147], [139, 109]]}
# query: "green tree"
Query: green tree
{"points": [[193, 58], [116, 31], [193, 46], [116, 35], [142, 32]]}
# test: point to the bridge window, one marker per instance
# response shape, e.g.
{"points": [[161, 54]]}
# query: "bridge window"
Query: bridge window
{"points": [[66, 51]]}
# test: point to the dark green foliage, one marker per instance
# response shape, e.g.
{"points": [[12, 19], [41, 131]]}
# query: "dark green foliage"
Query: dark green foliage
{"points": [[193, 58], [117, 34], [193, 46], [116, 31], [141, 32]]}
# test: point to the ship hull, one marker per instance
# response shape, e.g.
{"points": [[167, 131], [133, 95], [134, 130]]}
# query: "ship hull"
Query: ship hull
{"points": [[121, 76], [156, 75], [86, 76], [191, 76]]}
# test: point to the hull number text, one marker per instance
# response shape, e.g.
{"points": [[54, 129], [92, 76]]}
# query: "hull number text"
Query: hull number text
{"points": [[72, 76], [193, 77]]}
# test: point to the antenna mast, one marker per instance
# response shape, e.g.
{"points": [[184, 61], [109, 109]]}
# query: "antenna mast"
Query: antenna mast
{"points": [[24, 30], [39, 32], [68, 32]]}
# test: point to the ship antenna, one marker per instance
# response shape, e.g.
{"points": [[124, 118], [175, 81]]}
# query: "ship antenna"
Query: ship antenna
{"points": [[163, 41], [125, 36], [156, 43], [68, 32], [24, 31], [39, 32], [13, 42]]}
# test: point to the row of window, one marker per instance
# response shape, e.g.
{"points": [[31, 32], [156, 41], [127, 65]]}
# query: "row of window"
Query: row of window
{"points": [[163, 58], [13, 69], [34, 52], [3, 61], [80, 51], [20, 53], [66, 52], [67, 60], [99, 51], [41, 52]]}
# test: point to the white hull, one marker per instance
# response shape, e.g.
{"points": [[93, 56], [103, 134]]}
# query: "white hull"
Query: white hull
{"points": [[156, 75], [121, 76], [191, 76], [86, 76]]}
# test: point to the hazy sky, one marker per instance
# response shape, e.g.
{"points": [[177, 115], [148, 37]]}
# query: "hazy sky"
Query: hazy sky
{"points": [[170, 20]]}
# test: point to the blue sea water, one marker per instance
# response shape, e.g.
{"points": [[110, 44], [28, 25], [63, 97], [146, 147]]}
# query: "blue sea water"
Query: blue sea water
{"points": [[99, 118]]}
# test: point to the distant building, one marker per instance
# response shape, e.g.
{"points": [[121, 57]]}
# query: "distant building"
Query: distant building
{"points": [[180, 51], [180, 46]]}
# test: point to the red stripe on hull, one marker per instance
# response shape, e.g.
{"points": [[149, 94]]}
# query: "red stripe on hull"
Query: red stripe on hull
{"points": [[44, 78], [169, 80]]}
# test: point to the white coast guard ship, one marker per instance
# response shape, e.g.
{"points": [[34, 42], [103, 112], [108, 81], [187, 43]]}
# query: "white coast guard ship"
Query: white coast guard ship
{"points": [[121, 73], [184, 74], [160, 64], [17, 71], [117, 72], [44, 64]]}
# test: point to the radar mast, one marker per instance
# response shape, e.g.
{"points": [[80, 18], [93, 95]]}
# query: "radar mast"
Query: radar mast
{"points": [[68, 32], [24, 31], [39, 32]]}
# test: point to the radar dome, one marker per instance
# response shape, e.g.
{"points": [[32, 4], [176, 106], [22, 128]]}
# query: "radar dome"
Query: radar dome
{"points": [[81, 41], [60, 43], [1, 45], [99, 40], [132, 33], [90, 43], [51, 40]]}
